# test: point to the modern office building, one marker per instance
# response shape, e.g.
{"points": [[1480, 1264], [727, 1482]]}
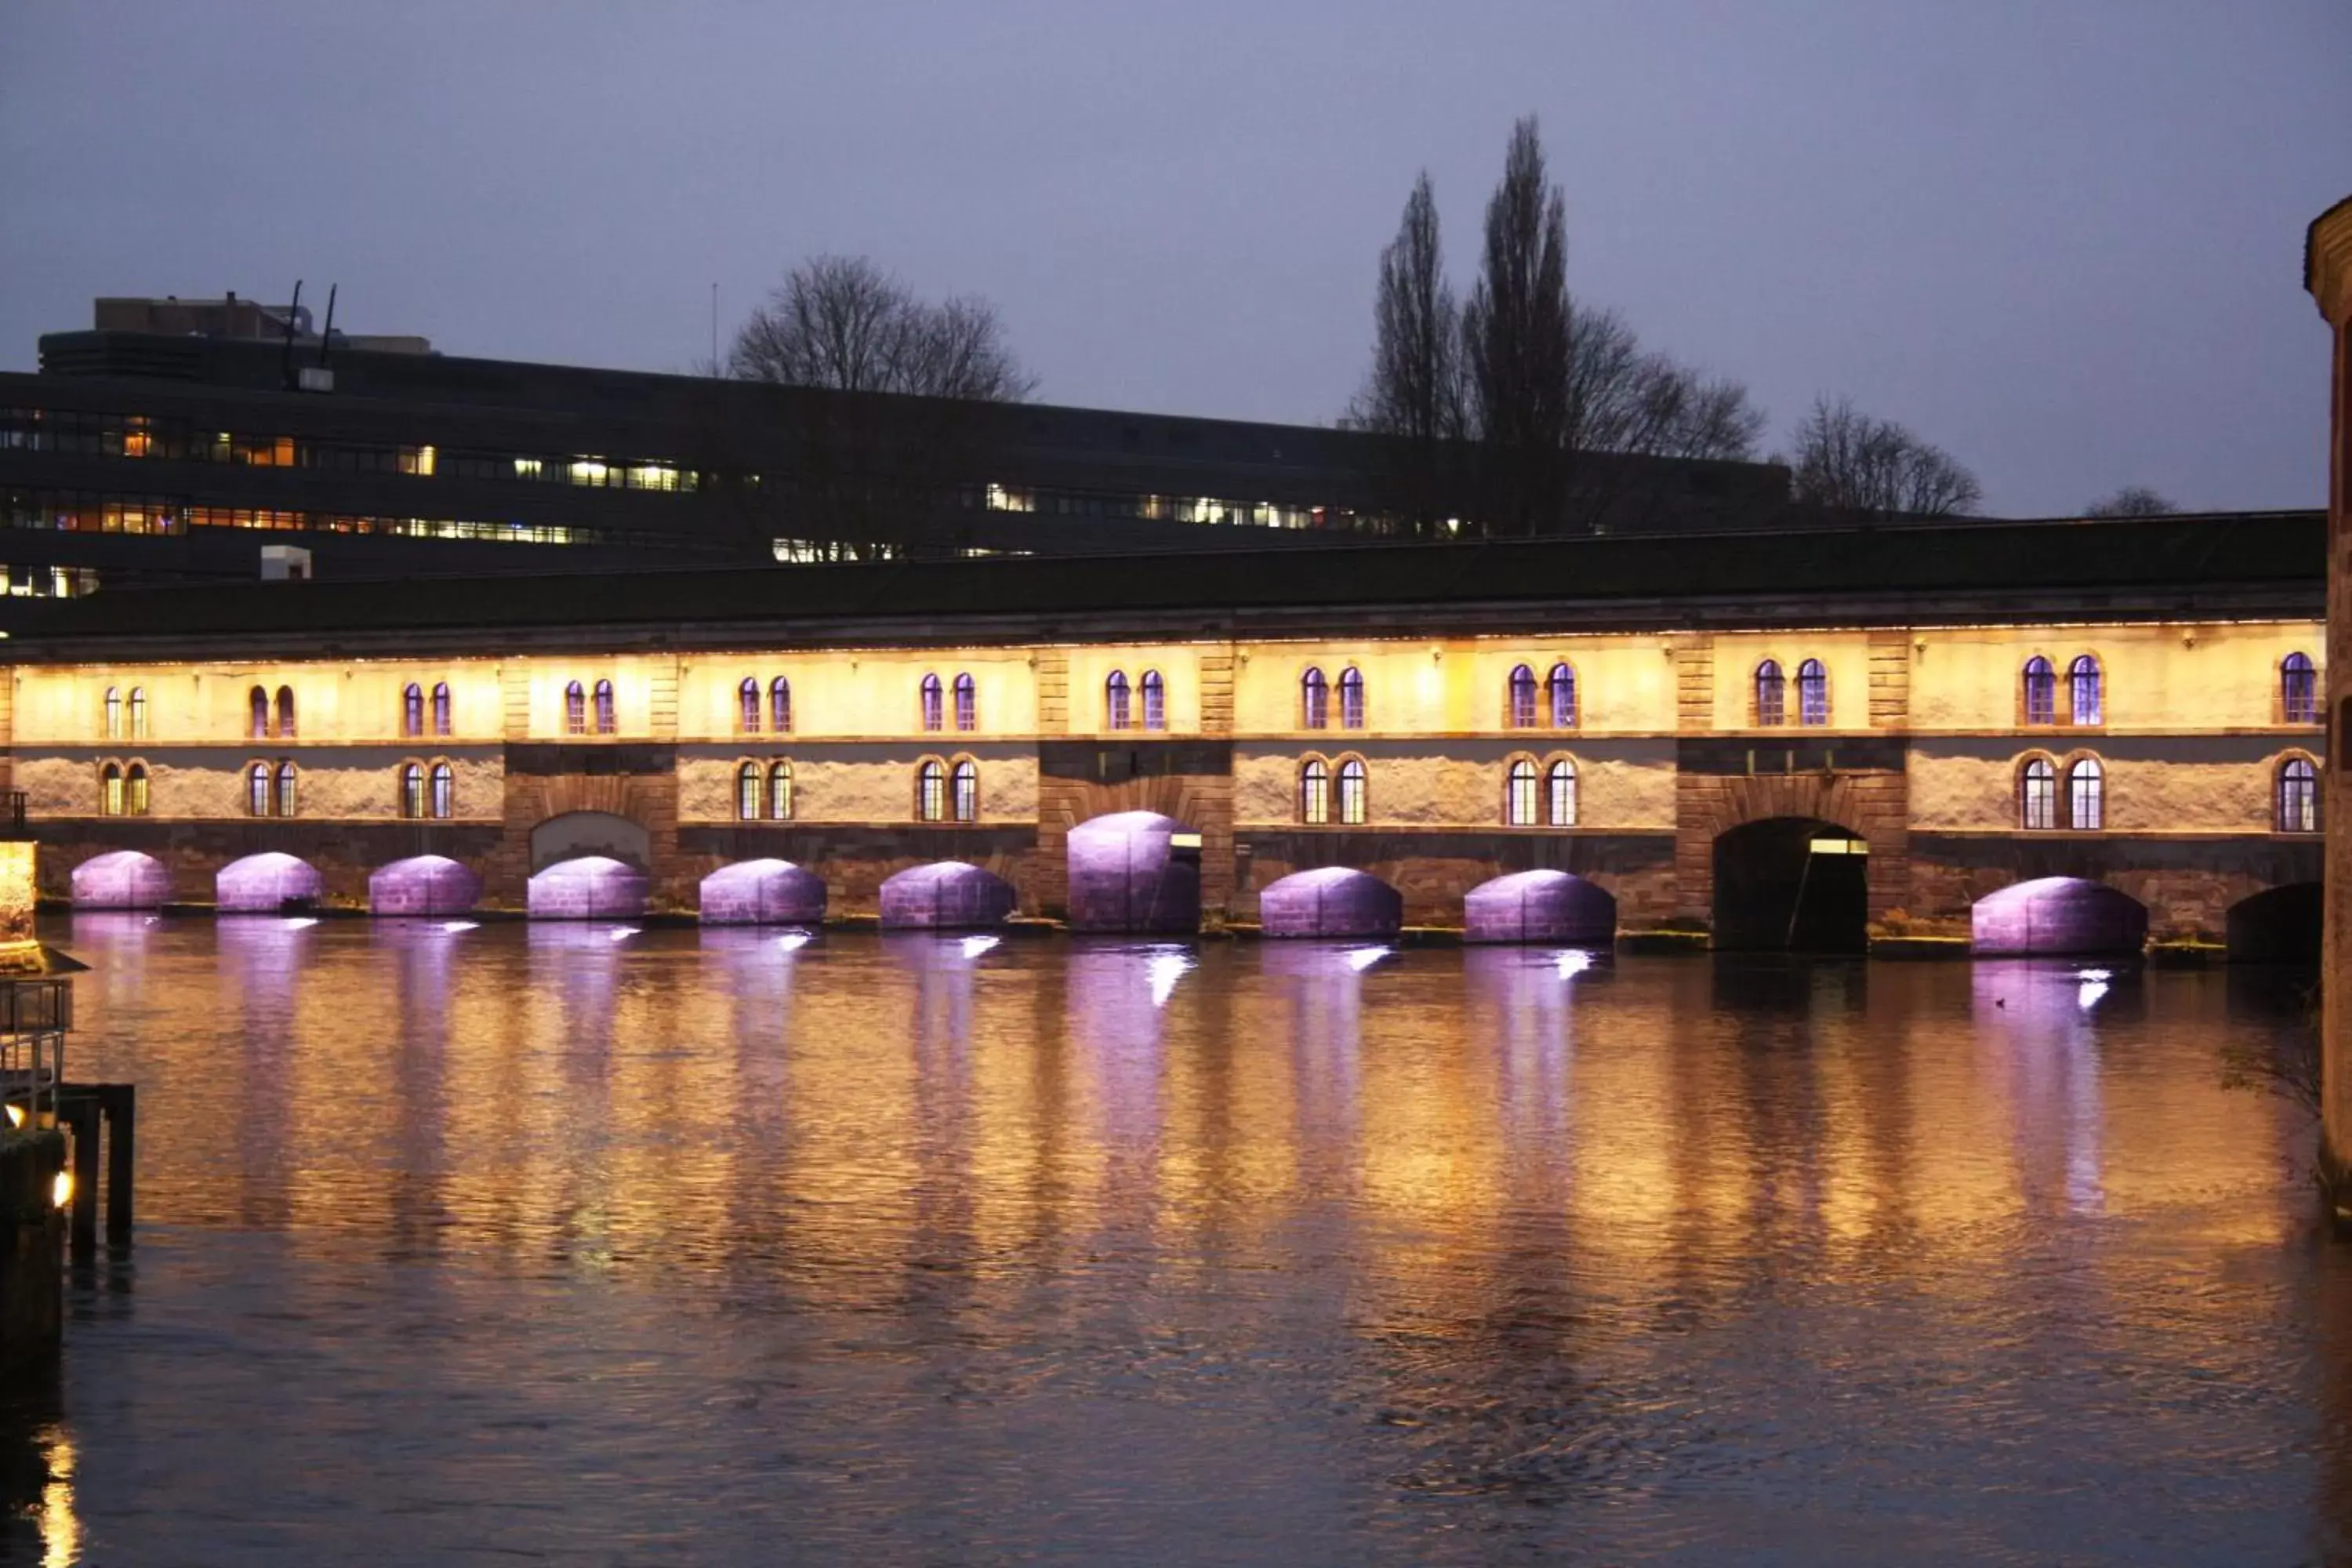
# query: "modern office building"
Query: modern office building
{"points": [[158, 445]]}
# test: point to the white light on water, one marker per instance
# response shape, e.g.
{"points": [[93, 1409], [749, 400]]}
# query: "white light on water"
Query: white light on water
{"points": [[1362, 958], [973, 946], [1573, 963], [2089, 994], [618, 933], [453, 927], [793, 940], [2099, 974], [1164, 970], [299, 921]]}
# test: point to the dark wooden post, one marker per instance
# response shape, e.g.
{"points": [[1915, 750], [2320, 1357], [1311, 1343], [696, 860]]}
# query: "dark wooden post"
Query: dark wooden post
{"points": [[81, 1114], [122, 1102]]}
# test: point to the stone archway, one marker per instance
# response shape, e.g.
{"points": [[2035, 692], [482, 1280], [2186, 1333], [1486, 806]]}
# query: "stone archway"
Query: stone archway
{"points": [[1791, 884], [2281, 926], [601, 834]]}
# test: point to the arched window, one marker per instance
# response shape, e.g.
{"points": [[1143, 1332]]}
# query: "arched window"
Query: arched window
{"points": [[134, 790], [2086, 795], [440, 707], [780, 791], [2037, 794], [2082, 688], [2041, 691], [2298, 796], [411, 710], [1315, 792], [258, 700], [1351, 792], [1519, 786], [747, 792], [1314, 701], [1351, 699], [138, 713], [1115, 701], [109, 789], [780, 706], [445, 788], [1155, 701], [257, 790], [933, 718], [1559, 794], [608, 721], [2298, 689], [746, 701], [1771, 688], [575, 709], [412, 788], [1519, 702], [1812, 693], [931, 790], [965, 789], [1562, 684], [113, 713], [967, 703], [285, 712], [285, 789]]}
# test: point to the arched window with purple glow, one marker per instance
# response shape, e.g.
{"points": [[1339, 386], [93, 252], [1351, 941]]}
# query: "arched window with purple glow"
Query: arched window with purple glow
{"points": [[1520, 784], [780, 791], [441, 707], [1115, 706], [2298, 796], [1520, 703], [934, 718], [1351, 699], [2037, 794], [257, 701], [445, 789], [2086, 795], [1314, 701], [1561, 685], [608, 720], [747, 707], [285, 712], [967, 703], [2082, 688], [412, 788], [2041, 691], [1772, 693], [285, 802], [411, 710], [575, 709], [780, 706], [932, 791], [1155, 701], [1352, 782], [1812, 693], [964, 787], [748, 782], [2298, 689], [1559, 794], [257, 790], [1315, 792]]}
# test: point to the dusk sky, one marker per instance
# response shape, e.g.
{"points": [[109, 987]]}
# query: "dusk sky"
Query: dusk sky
{"points": [[2061, 240]]}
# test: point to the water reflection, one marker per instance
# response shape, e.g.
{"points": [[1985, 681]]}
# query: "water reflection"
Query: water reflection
{"points": [[905, 1249]]}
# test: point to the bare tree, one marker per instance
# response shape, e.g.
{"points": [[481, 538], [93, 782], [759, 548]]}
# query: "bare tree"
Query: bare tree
{"points": [[1623, 399], [2132, 500], [1414, 389], [1846, 461], [842, 323], [1514, 332]]}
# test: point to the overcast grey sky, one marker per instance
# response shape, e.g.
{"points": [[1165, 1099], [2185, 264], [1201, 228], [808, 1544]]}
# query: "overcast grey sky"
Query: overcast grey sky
{"points": [[2060, 238]]}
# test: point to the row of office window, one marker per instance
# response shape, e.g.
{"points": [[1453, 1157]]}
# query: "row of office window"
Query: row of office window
{"points": [[89, 512]]}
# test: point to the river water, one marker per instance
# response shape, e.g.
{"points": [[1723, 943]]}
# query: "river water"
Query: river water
{"points": [[580, 1245]]}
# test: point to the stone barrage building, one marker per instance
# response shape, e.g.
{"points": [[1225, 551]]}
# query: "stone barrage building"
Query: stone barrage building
{"points": [[2327, 274], [1782, 738]]}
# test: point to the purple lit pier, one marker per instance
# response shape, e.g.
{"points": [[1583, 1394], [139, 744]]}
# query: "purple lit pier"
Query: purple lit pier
{"points": [[423, 885], [944, 895], [762, 892], [1331, 901], [1540, 906], [590, 887], [2057, 915], [266, 884], [1131, 871], [121, 879]]}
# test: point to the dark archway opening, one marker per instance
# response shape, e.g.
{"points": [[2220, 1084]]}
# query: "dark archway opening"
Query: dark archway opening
{"points": [[2281, 926], [1791, 884]]}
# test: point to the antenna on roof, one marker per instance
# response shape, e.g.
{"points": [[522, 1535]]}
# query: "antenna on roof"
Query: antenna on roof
{"points": [[714, 329], [327, 333], [286, 355]]}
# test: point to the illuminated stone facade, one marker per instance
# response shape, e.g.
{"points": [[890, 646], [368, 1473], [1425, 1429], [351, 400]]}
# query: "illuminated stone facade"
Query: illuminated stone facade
{"points": [[2327, 273], [1421, 759]]}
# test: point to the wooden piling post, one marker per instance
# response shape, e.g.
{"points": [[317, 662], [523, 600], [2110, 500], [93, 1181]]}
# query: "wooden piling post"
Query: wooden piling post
{"points": [[121, 1104], [81, 1113]]}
